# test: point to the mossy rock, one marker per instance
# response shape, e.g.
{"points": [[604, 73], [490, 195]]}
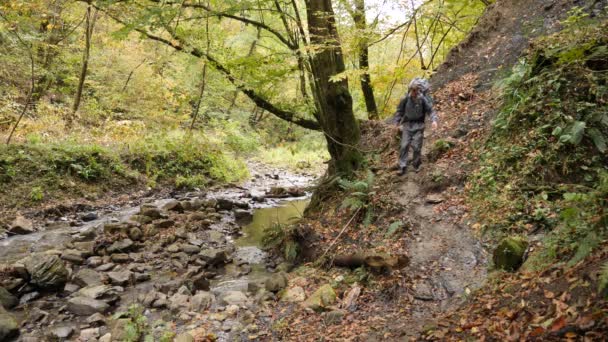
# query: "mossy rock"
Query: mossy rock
{"points": [[509, 254], [8, 325], [324, 297]]}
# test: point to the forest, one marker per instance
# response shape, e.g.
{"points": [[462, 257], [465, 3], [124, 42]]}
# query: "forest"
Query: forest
{"points": [[204, 170]]}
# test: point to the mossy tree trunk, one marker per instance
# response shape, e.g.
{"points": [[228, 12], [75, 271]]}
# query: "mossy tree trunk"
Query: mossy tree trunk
{"points": [[333, 100]]}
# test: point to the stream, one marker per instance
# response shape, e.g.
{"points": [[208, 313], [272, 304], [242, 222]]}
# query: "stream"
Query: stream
{"points": [[192, 261]]}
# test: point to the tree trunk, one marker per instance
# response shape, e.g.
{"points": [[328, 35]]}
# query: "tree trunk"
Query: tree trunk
{"points": [[333, 100], [366, 82], [90, 23]]}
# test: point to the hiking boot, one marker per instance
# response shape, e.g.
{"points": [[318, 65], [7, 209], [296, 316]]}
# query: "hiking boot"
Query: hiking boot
{"points": [[402, 171], [417, 169]]}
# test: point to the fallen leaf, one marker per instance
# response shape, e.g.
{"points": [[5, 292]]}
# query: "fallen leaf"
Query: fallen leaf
{"points": [[558, 324]]}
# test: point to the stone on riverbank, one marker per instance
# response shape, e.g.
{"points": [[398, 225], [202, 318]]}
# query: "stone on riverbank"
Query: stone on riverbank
{"points": [[276, 282], [46, 271], [84, 306], [7, 300], [21, 226], [321, 299], [8, 325]]}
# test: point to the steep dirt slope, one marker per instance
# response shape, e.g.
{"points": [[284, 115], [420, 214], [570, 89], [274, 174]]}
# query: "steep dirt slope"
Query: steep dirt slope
{"points": [[503, 33]]}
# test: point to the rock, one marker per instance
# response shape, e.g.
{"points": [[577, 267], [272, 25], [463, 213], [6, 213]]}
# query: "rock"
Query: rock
{"points": [[121, 278], [200, 282], [21, 226], [85, 248], [141, 277], [334, 317], [121, 246], [119, 330], [242, 215], [179, 302], [73, 256], [61, 333], [85, 306], [46, 271], [91, 216], [87, 277], [294, 295], [106, 338], [276, 282], [233, 298], [28, 297], [141, 219], [90, 334], [197, 216], [106, 293], [109, 266], [190, 249], [7, 300], [214, 256], [509, 255], [150, 211], [163, 224], [423, 291], [8, 325], [96, 319], [324, 297], [173, 205], [115, 228], [95, 261], [216, 237], [201, 301], [120, 258], [136, 234], [174, 248], [184, 337], [434, 199]]}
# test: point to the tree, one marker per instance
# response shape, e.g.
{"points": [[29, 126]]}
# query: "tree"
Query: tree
{"points": [[321, 58]]}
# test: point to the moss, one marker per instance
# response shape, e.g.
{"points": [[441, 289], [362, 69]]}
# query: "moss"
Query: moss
{"points": [[509, 255]]}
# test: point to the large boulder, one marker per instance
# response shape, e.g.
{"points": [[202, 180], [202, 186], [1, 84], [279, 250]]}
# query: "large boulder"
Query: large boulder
{"points": [[510, 252], [294, 295], [21, 226], [46, 271], [8, 325], [7, 300], [233, 298], [85, 306], [321, 299]]}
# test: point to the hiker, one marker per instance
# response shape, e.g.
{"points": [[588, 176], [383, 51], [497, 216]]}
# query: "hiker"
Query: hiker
{"points": [[411, 114]]}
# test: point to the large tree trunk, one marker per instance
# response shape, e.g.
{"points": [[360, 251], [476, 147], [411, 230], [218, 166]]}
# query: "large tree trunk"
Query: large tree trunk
{"points": [[366, 82], [333, 100]]}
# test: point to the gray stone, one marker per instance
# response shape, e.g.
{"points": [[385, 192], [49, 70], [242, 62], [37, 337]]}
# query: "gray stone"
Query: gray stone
{"points": [[102, 292], [87, 277], [173, 205], [242, 215], [91, 216], [70, 288], [197, 216], [216, 237], [46, 271], [174, 248], [214, 256], [201, 301], [150, 211], [90, 334], [121, 278], [109, 266], [136, 234], [141, 219], [179, 302], [28, 297], [184, 337], [8, 325], [7, 300], [85, 306], [294, 295], [233, 298], [96, 319], [163, 224], [21, 226], [62, 333], [276, 282], [190, 249], [106, 338], [121, 246], [73, 256], [120, 258], [334, 317], [115, 228], [95, 261], [85, 248]]}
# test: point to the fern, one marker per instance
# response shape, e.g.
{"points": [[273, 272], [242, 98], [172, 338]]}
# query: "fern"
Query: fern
{"points": [[358, 196]]}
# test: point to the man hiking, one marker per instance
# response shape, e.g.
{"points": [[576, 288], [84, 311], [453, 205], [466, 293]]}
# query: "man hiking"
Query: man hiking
{"points": [[411, 114]]}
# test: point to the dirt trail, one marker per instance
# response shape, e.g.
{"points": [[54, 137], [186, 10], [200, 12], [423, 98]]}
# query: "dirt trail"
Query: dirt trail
{"points": [[447, 261]]}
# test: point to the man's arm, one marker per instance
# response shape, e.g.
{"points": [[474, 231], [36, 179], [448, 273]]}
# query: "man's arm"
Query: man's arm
{"points": [[400, 111], [430, 111]]}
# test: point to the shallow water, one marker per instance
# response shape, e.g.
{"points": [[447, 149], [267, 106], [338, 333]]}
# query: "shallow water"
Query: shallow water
{"points": [[285, 213]]}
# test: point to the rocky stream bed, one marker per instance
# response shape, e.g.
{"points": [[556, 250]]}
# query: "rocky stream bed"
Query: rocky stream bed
{"points": [[153, 270]]}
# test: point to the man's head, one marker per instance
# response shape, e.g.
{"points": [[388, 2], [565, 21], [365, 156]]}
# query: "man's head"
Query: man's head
{"points": [[414, 90]]}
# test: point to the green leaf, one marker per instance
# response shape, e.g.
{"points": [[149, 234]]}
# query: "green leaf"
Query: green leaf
{"points": [[393, 228], [577, 131], [598, 139], [557, 131]]}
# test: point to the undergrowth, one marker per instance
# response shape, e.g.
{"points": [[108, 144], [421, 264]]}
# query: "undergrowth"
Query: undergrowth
{"points": [[543, 168]]}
